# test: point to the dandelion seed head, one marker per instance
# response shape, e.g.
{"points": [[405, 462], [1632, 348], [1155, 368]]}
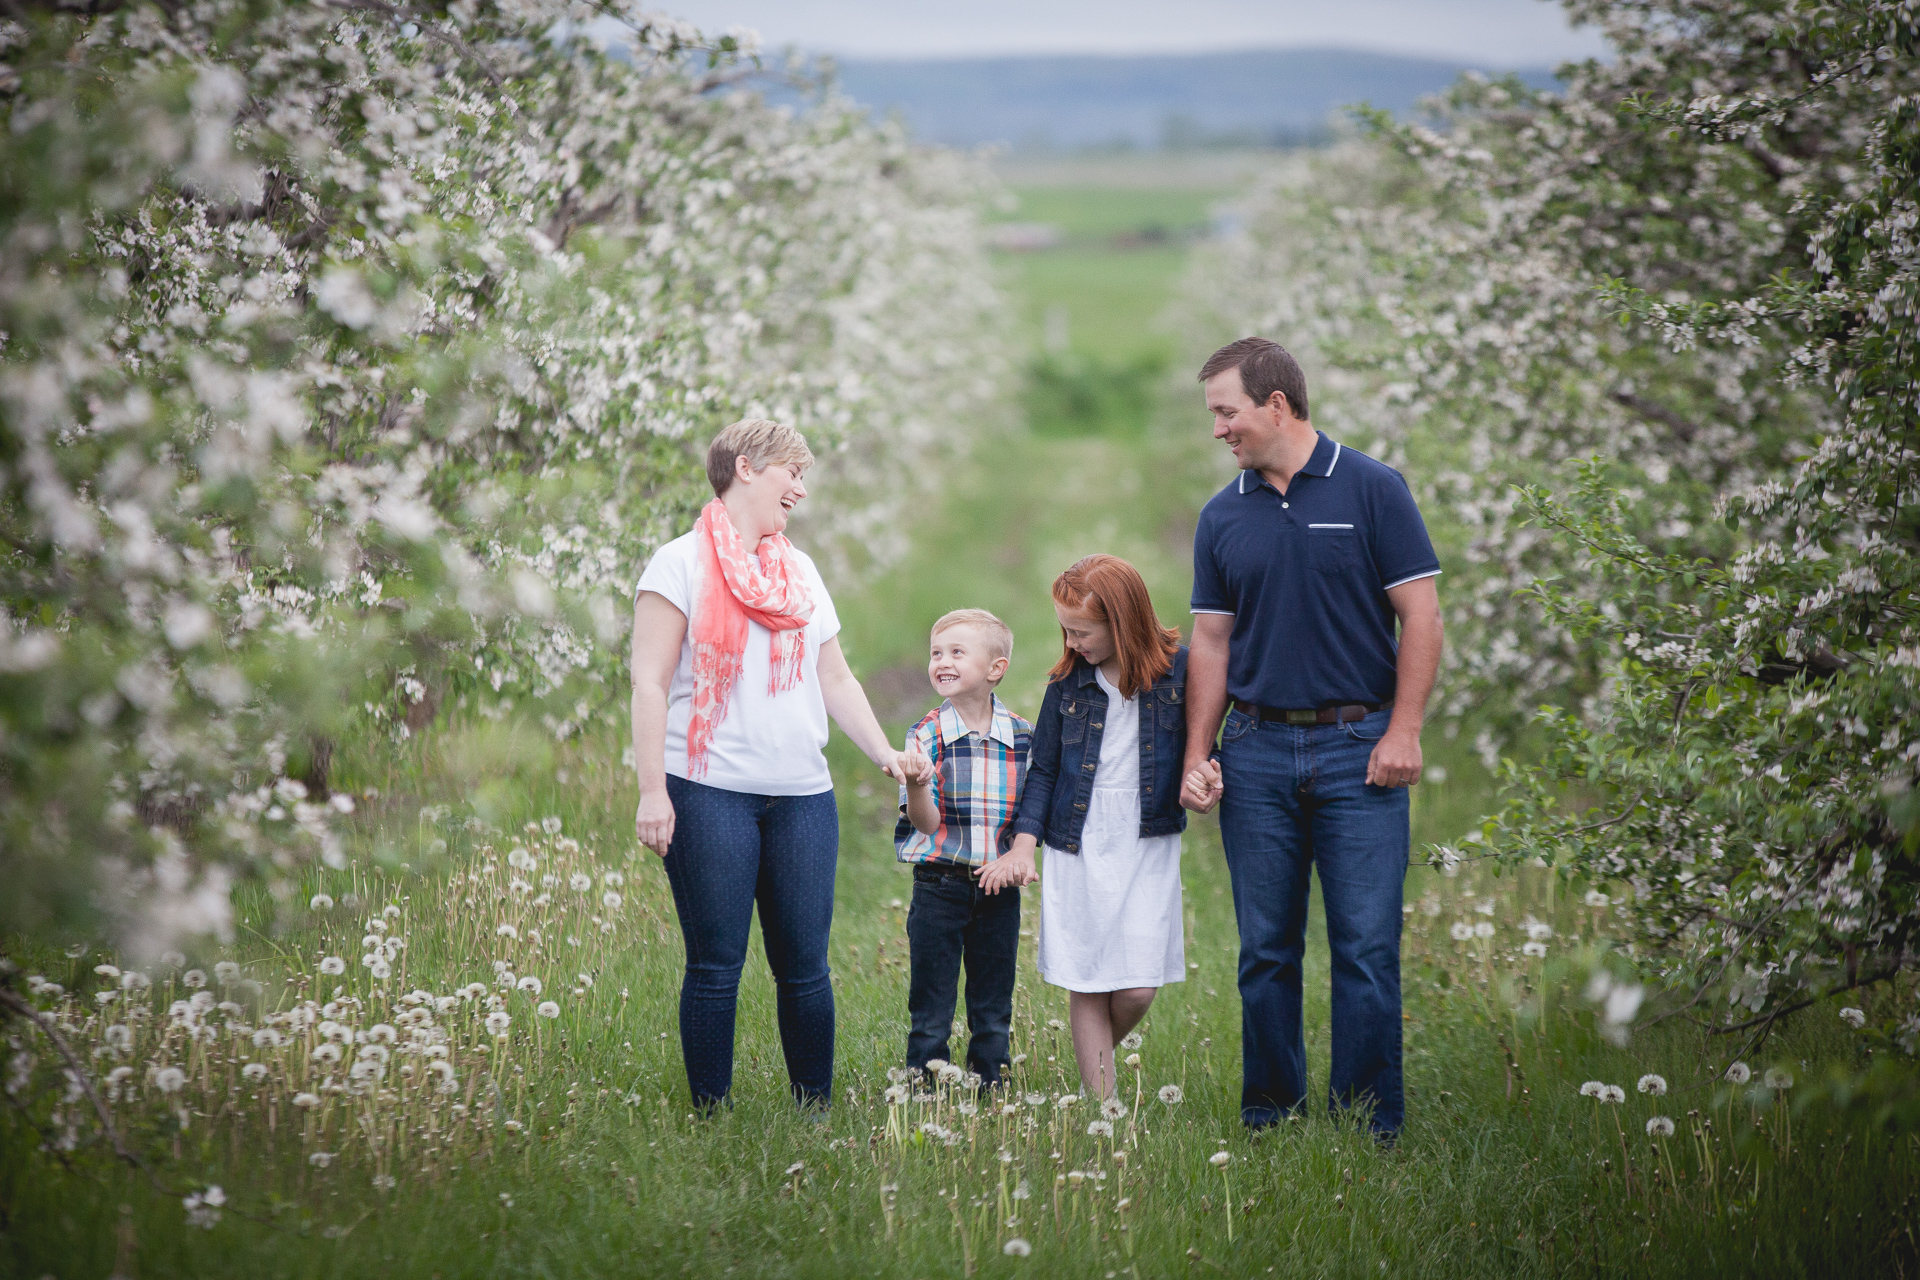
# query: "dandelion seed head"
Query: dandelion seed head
{"points": [[1593, 1089], [1220, 1159], [333, 966], [896, 1094], [1537, 950], [1100, 1129], [611, 900], [1484, 929], [1113, 1108], [1613, 1093], [320, 902], [1855, 1018], [951, 1074], [1066, 1100], [1171, 1094], [194, 979], [319, 1159], [1460, 930], [169, 1079], [498, 1021], [530, 984], [1778, 1078], [1133, 1060], [579, 882], [548, 1009], [255, 1071], [1035, 1099], [1660, 1127], [1131, 1040], [1652, 1085], [1739, 1073], [306, 1101], [1017, 1248]]}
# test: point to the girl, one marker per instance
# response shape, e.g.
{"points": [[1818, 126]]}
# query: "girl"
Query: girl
{"points": [[1103, 791]]}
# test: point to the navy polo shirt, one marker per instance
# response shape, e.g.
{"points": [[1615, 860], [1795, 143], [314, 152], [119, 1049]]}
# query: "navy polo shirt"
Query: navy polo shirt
{"points": [[1305, 575]]}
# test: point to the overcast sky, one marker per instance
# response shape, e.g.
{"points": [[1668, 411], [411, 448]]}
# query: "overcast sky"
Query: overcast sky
{"points": [[1492, 33]]}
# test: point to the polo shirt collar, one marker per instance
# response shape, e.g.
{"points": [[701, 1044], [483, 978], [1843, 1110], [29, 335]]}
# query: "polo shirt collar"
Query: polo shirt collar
{"points": [[953, 728], [1326, 455]]}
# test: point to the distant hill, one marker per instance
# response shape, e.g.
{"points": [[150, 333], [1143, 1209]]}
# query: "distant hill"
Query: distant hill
{"points": [[1259, 97]]}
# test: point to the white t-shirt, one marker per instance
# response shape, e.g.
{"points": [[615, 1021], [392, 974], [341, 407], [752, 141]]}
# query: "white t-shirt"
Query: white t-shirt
{"points": [[766, 745]]}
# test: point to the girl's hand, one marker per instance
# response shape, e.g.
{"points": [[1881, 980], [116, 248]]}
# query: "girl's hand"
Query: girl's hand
{"points": [[653, 821], [1010, 870]]}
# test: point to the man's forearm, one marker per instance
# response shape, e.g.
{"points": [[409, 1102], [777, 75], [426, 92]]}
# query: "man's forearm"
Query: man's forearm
{"points": [[1421, 639], [1206, 702]]}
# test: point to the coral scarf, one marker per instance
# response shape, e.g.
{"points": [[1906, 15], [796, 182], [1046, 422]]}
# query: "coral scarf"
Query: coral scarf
{"points": [[735, 586]]}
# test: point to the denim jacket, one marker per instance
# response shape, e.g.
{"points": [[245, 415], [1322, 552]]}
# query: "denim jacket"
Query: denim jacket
{"points": [[1066, 753]]}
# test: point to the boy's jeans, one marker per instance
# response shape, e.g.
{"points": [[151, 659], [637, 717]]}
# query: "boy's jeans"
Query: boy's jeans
{"points": [[1297, 796], [952, 920]]}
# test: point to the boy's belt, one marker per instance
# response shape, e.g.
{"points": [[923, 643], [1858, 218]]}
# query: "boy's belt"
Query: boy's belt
{"points": [[959, 869], [1312, 715]]}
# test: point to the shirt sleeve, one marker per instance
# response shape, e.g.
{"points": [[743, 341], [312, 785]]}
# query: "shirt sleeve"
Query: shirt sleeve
{"points": [[926, 738], [670, 574], [1402, 551], [1210, 593]]}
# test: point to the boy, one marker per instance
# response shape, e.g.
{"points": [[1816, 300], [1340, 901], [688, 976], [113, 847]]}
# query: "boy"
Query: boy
{"points": [[966, 760]]}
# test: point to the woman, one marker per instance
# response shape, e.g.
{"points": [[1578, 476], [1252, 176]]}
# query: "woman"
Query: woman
{"points": [[1103, 793], [736, 667]]}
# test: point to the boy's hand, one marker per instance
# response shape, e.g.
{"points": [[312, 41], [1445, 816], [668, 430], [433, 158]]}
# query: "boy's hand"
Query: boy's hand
{"points": [[1010, 870], [916, 769]]}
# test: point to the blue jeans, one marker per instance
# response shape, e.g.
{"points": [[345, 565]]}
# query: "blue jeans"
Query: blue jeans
{"points": [[1296, 796], [731, 850], [952, 920]]}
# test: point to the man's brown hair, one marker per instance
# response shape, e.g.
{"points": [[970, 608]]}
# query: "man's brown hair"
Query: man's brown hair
{"points": [[1265, 367], [1110, 590]]}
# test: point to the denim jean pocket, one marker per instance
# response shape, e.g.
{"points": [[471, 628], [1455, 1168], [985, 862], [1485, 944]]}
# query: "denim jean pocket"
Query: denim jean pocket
{"points": [[1238, 723], [1365, 730]]}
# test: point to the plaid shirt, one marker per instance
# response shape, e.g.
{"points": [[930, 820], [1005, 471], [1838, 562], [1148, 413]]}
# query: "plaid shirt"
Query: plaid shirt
{"points": [[976, 786]]}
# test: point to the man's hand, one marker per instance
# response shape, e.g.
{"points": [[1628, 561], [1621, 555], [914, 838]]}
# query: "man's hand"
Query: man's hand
{"points": [[1202, 787], [653, 821], [1396, 760], [1012, 869]]}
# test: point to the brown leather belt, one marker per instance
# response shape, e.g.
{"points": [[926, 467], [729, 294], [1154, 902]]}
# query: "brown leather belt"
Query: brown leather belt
{"points": [[1312, 715]]}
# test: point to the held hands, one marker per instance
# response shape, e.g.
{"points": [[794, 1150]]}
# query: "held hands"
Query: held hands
{"points": [[1012, 869], [910, 766], [1396, 760], [1202, 787], [653, 821]]}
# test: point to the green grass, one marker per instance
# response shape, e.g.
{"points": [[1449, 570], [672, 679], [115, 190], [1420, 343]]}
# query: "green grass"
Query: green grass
{"points": [[1503, 1169]]}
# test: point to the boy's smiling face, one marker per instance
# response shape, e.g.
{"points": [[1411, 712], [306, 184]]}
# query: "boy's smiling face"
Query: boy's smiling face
{"points": [[961, 662]]}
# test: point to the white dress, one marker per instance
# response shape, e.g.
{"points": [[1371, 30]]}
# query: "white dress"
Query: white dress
{"points": [[1110, 915]]}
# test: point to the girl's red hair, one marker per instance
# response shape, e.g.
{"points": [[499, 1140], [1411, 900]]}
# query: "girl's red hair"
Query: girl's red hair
{"points": [[1110, 590]]}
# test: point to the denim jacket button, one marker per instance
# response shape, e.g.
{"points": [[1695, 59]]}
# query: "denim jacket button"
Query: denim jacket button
{"points": [[1096, 724]]}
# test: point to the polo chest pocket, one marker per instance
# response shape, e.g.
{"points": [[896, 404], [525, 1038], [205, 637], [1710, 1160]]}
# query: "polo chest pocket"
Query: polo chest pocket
{"points": [[1073, 720], [1332, 548]]}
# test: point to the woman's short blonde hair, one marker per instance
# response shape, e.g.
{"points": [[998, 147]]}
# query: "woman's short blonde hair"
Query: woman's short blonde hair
{"points": [[761, 442]]}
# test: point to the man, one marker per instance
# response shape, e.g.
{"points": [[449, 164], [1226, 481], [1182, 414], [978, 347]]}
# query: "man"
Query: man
{"points": [[1301, 568]]}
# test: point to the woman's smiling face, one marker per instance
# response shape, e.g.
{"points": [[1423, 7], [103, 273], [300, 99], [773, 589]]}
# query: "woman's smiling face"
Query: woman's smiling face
{"points": [[1086, 635], [765, 499]]}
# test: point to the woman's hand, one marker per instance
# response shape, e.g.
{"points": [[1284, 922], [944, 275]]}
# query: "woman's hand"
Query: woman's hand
{"points": [[1012, 869], [653, 821]]}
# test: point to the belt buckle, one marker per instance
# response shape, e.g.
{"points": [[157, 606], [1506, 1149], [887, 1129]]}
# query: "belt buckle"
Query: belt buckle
{"points": [[1298, 716]]}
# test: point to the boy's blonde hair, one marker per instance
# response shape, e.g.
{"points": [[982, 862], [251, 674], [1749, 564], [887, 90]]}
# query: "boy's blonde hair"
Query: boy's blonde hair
{"points": [[761, 442], [999, 635]]}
